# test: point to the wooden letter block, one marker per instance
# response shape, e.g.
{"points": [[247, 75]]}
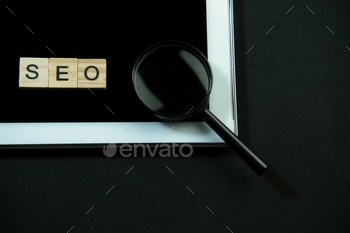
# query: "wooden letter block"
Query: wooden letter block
{"points": [[34, 72], [92, 73], [63, 72]]}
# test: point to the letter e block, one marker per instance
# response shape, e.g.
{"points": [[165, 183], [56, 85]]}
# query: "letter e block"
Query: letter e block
{"points": [[63, 72], [33, 72], [92, 73]]}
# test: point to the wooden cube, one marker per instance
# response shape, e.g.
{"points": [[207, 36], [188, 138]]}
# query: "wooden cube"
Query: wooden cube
{"points": [[92, 73], [34, 72], [63, 72]]}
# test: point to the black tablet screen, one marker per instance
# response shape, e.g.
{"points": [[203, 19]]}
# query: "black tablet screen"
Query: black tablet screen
{"points": [[115, 32]]}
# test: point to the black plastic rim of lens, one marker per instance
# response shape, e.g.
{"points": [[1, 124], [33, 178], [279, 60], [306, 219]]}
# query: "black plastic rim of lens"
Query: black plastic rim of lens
{"points": [[195, 53]]}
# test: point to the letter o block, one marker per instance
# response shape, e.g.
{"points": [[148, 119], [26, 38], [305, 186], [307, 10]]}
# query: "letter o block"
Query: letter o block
{"points": [[92, 73]]}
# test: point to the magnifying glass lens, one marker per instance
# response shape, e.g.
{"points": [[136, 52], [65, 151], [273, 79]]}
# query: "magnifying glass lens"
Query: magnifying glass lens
{"points": [[171, 81]]}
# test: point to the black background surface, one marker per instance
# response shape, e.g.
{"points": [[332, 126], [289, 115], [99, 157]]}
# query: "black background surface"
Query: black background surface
{"points": [[293, 108]]}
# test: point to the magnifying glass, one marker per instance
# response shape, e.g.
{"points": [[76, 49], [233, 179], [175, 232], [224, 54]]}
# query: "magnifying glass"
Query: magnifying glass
{"points": [[173, 79]]}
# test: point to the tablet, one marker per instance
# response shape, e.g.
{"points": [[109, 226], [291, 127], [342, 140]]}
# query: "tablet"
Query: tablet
{"points": [[49, 116]]}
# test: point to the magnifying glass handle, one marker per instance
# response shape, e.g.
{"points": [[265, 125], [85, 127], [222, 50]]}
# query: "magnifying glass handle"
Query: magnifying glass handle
{"points": [[232, 140]]}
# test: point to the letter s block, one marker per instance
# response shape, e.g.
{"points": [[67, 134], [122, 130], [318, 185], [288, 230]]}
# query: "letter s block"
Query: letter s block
{"points": [[92, 73], [34, 72]]}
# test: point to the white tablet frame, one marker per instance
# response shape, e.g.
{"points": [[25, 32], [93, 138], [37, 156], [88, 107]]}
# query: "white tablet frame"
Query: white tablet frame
{"points": [[221, 56]]}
